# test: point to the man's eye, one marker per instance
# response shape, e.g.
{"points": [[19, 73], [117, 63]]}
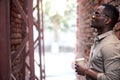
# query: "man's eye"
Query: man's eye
{"points": [[97, 13]]}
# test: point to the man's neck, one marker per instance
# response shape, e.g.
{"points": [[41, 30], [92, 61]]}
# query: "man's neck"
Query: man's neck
{"points": [[101, 31]]}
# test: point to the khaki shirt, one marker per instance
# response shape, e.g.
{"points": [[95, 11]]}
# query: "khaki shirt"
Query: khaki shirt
{"points": [[105, 57]]}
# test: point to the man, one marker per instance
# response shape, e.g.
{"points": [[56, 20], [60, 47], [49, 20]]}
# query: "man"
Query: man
{"points": [[104, 61]]}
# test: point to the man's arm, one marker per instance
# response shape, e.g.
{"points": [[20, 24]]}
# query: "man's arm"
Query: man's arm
{"points": [[83, 71], [111, 56]]}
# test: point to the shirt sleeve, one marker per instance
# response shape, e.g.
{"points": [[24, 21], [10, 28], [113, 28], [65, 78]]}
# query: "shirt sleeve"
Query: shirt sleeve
{"points": [[111, 57]]}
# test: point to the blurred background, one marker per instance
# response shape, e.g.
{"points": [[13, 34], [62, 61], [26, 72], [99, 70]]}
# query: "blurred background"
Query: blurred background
{"points": [[60, 38]]}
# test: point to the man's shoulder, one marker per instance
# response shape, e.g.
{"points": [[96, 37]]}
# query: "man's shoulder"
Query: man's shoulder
{"points": [[110, 42], [110, 39]]}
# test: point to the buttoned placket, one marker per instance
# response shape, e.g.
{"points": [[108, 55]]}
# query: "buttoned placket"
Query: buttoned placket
{"points": [[96, 40]]}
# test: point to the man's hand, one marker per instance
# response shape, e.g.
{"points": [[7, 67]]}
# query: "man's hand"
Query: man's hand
{"points": [[80, 69]]}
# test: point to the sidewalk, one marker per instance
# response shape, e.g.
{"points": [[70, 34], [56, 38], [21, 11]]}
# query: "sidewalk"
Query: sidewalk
{"points": [[59, 66]]}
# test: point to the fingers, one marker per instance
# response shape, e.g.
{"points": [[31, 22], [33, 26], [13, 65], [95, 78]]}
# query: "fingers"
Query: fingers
{"points": [[76, 65], [79, 69]]}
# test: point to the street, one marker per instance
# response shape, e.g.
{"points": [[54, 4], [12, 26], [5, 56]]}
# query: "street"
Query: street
{"points": [[59, 66]]}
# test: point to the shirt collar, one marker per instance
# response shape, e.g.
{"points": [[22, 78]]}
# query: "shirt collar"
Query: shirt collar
{"points": [[102, 36]]}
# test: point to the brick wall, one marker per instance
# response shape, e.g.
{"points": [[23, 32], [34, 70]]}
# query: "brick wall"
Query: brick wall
{"points": [[17, 34], [84, 32]]}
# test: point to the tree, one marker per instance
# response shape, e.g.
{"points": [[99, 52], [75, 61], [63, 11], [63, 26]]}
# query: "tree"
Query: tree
{"points": [[59, 16]]}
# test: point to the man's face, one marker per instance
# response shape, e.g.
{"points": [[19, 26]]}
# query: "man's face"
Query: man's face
{"points": [[98, 18]]}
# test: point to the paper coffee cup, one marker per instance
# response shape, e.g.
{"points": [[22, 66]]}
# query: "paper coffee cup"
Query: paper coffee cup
{"points": [[80, 61]]}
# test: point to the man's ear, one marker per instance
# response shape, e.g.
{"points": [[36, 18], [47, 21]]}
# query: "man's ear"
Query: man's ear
{"points": [[107, 20]]}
